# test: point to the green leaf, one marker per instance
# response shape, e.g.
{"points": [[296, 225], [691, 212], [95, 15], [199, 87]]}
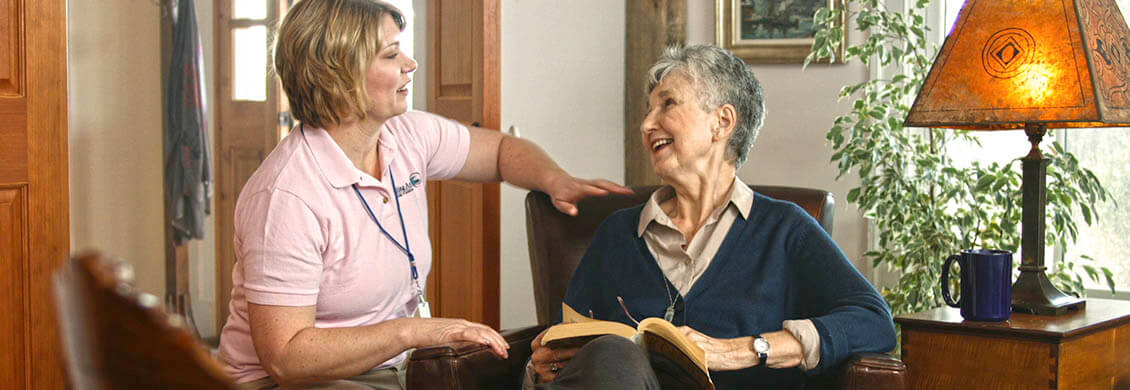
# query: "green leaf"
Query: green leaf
{"points": [[1091, 272], [983, 183], [1109, 279], [821, 14]]}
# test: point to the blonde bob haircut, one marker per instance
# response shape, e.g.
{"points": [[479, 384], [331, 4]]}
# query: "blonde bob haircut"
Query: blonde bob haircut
{"points": [[322, 54]]}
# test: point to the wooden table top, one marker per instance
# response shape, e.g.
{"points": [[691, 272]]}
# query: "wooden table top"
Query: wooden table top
{"points": [[1099, 314]]}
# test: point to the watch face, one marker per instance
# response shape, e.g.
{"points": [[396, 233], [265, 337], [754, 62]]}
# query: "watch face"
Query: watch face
{"points": [[761, 345]]}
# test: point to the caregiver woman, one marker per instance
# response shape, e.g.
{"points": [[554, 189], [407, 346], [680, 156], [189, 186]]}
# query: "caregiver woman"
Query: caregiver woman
{"points": [[331, 230]]}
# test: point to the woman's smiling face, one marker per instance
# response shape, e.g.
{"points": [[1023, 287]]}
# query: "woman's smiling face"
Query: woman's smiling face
{"points": [[676, 130], [387, 78]]}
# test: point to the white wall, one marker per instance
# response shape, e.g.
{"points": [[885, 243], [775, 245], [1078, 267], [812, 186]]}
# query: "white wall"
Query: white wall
{"points": [[116, 166], [563, 87], [115, 133], [419, 27], [791, 149]]}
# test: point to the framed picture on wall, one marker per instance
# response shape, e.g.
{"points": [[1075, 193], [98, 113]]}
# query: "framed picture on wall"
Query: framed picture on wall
{"points": [[770, 31]]}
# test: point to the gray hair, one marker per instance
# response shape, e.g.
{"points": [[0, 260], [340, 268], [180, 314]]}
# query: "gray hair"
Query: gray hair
{"points": [[719, 77]]}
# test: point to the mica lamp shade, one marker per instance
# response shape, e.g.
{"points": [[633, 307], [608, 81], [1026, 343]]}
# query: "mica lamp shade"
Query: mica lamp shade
{"points": [[1010, 63]]}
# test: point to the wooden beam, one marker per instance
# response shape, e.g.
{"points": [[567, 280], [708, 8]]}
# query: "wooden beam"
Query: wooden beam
{"points": [[651, 26]]}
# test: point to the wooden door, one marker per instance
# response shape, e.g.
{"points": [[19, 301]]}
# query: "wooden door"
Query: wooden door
{"points": [[463, 84], [247, 117], [34, 208], [652, 26]]}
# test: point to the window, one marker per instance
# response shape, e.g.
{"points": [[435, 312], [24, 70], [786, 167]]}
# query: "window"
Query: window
{"points": [[1104, 152]]}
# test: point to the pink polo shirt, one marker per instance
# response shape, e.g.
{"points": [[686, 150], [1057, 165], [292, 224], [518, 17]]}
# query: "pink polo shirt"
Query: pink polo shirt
{"points": [[303, 237]]}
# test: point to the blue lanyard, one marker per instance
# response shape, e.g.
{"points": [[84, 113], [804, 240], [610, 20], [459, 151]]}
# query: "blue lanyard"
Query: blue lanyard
{"points": [[403, 248]]}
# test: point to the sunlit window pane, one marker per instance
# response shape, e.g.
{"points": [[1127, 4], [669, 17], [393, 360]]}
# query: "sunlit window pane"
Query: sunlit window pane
{"points": [[249, 9], [1104, 152], [250, 53]]}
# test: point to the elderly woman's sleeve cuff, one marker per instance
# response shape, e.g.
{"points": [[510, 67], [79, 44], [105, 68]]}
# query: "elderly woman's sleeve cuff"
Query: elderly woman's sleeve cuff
{"points": [[531, 376], [809, 338]]}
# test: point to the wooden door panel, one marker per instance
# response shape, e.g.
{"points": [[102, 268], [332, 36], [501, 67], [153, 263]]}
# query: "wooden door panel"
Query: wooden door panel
{"points": [[13, 273], [453, 107], [457, 225], [454, 63], [456, 48], [13, 140], [242, 164], [33, 188], [463, 79], [11, 48]]}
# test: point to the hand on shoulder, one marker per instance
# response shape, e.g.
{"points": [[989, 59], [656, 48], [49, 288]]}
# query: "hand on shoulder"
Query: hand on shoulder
{"points": [[566, 191]]}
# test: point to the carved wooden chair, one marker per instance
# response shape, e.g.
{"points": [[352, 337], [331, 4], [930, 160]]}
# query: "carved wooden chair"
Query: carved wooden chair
{"points": [[118, 338], [556, 243]]}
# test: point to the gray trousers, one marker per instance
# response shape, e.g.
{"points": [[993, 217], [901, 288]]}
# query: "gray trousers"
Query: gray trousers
{"points": [[609, 362]]}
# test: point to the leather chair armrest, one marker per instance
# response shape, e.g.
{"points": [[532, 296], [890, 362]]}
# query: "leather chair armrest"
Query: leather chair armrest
{"points": [[467, 366], [877, 371]]}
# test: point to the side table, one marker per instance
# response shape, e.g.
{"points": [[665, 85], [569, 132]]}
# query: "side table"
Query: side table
{"points": [[1089, 349]]}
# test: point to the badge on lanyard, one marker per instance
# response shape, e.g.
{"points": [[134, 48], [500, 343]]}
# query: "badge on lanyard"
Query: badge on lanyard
{"points": [[423, 309]]}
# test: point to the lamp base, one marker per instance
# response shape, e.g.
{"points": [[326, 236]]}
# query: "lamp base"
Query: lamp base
{"points": [[1033, 293]]}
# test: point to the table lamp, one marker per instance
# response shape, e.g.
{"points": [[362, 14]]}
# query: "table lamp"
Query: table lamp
{"points": [[1032, 65]]}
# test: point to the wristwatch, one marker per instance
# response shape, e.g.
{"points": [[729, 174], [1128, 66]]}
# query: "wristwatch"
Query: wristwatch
{"points": [[761, 346]]}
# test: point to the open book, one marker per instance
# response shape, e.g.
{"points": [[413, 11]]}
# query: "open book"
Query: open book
{"points": [[676, 359]]}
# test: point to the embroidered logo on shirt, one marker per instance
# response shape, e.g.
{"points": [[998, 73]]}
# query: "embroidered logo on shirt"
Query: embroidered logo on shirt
{"points": [[414, 180]]}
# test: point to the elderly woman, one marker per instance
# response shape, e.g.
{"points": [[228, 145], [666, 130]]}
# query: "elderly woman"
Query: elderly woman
{"points": [[331, 230], [753, 280]]}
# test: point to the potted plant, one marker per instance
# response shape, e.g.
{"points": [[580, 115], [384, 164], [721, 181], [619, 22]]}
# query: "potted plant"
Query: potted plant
{"points": [[925, 205]]}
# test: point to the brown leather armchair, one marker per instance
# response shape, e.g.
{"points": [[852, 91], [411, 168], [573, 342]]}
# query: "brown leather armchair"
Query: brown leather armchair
{"points": [[557, 242]]}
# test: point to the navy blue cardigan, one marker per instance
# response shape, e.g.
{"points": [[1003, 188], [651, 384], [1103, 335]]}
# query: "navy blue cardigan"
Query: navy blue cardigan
{"points": [[777, 265]]}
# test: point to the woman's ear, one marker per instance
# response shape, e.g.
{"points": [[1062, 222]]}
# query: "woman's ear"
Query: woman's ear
{"points": [[727, 117]]}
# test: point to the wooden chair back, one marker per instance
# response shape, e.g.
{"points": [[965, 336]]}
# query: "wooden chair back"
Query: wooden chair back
{"points": [[118, 338]]}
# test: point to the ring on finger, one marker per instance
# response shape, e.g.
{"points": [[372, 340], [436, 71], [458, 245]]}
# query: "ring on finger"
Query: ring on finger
{"points": [[554, 368]]}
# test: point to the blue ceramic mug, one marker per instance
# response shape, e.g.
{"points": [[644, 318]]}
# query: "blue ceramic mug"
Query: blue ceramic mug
{"points": [[986, 284]]}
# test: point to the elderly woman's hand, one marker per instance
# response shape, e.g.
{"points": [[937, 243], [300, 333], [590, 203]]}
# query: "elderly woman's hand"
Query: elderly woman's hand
{"points": [[724, 354], [566, 191], [548, 361], [737, 353]]}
